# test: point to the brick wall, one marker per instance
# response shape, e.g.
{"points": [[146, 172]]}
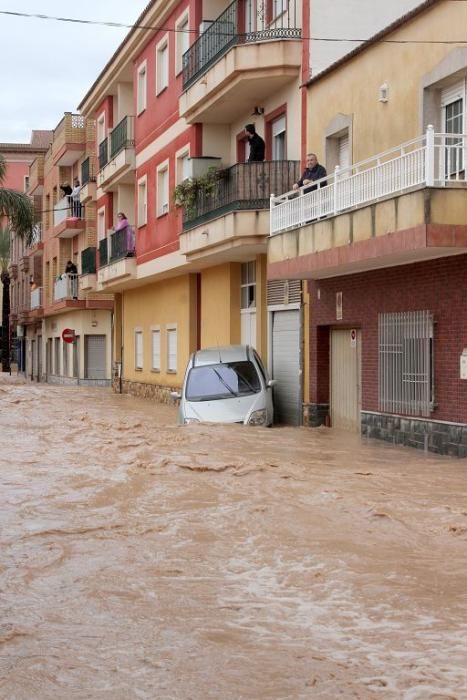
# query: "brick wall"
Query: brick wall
{"points": [[439, 286]]}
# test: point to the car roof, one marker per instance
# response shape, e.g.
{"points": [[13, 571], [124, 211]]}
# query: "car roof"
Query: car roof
{"points": [[219, 354]]}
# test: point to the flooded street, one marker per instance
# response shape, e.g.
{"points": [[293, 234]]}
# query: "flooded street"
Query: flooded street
{"points": [[139, 559]]}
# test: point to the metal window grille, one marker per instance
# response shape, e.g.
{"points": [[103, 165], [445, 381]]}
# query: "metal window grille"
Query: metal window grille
{"points": [[406, 363]]}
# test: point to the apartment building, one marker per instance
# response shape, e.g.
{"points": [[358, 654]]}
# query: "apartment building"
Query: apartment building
{"points": [[61, 306], [18, 158], [383, 245]]}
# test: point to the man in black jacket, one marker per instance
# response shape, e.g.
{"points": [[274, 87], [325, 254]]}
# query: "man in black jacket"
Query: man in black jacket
{"points": [[256, 144], [313, 171]]}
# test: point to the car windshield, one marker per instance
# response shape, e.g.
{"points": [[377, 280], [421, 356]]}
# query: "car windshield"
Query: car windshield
{"points": [[222, 381]]}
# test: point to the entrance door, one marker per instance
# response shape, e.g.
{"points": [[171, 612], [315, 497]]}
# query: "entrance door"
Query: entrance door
{"points": [[345, 379], [33, 359], [94, 356], [39, 358], [286, 366]]}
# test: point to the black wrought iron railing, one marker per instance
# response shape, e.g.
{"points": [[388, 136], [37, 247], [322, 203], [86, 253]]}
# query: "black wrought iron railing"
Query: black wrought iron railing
{"points": [[88, 261], [103, 153], [242, 186], [87, 174], [239, 24], [122, 136], [103, 252], [122, 244]]}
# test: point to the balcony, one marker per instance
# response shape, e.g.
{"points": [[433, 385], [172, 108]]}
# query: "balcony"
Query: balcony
{"points": [[117, 261], [69, 140], [36, 246], [66, 287], [404, 205], [68, 218], [88, 277], [242, 58], [36, 299], [24, 310], [235, 211], [88, 181], [23, 264], [36, 177], [117, 156]]}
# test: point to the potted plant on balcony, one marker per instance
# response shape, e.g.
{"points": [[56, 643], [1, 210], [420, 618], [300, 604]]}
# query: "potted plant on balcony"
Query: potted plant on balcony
{"points": [[187, 192]]}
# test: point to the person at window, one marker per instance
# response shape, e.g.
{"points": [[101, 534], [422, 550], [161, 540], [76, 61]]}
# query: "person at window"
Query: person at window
{"points": [[257, 145], [71, 268], [67, 190], [313, 171], [75, 198], [122, 224]]}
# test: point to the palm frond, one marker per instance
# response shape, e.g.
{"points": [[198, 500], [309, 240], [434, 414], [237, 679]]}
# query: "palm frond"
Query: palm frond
{"points": [[5, 237], [18, 208]]}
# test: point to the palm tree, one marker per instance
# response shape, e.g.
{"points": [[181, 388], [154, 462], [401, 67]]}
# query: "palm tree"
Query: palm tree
{"points": [[5, 279], [17, 209]]}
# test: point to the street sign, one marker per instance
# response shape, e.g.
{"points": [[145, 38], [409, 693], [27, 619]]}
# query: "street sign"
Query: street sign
{"points": [[68, 335]]}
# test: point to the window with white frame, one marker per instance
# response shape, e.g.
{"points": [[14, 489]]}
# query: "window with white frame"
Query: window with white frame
{"points": [[453, 116], [183, 165], [101, 128], [101, 224], [142, 202], [163, 189], [156, 348], [141, 88], [278, 128], [406, 362], [248, 285], [171, 349], [138, 349], [162, 65], [182, 41]]}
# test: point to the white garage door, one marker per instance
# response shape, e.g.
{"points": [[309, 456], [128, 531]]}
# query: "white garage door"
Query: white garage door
{"points": [[95, 356], [286, 366]]}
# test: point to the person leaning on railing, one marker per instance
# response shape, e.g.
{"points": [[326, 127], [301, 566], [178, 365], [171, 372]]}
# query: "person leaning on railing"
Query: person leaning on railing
{"points": [[313, 171], [257, 145], [122, 224]]}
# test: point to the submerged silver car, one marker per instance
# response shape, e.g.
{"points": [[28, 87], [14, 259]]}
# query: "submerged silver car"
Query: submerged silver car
{"points": [[226, 384]]}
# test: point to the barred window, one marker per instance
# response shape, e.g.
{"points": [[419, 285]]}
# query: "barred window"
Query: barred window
{"points": [[406, 366]]}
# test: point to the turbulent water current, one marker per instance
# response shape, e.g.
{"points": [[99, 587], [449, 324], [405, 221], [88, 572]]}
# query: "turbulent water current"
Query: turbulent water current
{"points": [[143, 560]]}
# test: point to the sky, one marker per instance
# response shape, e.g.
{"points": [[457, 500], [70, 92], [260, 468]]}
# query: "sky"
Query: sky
{"points": [[48, 66]]}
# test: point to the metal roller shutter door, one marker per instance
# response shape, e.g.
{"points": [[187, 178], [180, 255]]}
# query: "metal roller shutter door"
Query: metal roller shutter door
{"points": [[286, 366], [95, 356]]}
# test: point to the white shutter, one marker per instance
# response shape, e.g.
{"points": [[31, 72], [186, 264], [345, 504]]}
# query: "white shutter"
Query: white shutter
{"points": [[172, 349], [344, 151], [138, 350], [453, 93], [156, 349]]}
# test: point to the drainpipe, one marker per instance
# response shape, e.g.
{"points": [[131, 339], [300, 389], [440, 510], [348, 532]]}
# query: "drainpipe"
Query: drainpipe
{"points": [[301, 353]]}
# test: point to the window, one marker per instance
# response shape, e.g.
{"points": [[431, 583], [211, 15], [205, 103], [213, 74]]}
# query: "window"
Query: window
{"points": [[406, 366], [101, 224], [277, 7], [248, 285], [163, 189], [156, 348], [183, 165], [26, 183], [171, 349], [138, 349], [228, 380], [278, 138], [142, 202], [162, 65], [343, 151], [454, 124], [101, 128], [182, 39], [141, 88]]}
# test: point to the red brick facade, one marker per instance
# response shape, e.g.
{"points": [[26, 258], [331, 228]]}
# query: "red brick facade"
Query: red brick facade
{"points": [[438, 286]]}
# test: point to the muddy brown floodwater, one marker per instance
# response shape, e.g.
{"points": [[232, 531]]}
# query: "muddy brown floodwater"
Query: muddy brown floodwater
{"points": [[139, 559]]}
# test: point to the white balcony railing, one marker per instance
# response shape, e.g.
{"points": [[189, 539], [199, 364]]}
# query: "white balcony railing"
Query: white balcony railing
{"points": [[36, 298], [66, 208], [431, 160], [66, 287]]}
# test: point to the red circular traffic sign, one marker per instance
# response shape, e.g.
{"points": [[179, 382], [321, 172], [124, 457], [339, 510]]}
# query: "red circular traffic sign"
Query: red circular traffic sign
{"points": [[68, 335]]}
